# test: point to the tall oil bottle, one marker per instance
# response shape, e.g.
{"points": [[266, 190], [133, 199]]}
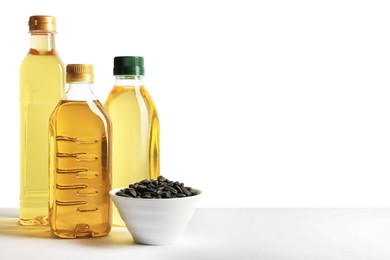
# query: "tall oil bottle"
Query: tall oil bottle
{"points": [[41, 87]]}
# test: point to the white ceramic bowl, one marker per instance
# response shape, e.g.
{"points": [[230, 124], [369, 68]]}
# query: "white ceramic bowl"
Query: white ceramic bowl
{"points": [[156, 221]]}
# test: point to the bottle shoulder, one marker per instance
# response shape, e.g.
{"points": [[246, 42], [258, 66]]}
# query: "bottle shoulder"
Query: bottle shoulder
{"points": [[128, 92], [127, 103], [81, 109], [42, 61], [86, 116]]}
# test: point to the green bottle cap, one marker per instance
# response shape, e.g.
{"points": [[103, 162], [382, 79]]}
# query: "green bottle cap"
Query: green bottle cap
{"points": [[129, 65]]}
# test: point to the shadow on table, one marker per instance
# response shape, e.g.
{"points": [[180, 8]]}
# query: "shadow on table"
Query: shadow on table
{"points": [[11, 227], [117, 236]]}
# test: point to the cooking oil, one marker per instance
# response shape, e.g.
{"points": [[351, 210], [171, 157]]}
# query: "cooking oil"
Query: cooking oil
{"points": [[80, 161], [41, 87], [136, 150]]}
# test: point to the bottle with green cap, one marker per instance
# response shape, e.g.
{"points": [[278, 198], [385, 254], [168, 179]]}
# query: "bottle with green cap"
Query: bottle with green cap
{"points": [[135, 147]]}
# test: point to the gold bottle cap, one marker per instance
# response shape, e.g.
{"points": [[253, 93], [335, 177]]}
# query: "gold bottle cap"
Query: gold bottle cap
{"points": [[79, 73], [42, 23]]}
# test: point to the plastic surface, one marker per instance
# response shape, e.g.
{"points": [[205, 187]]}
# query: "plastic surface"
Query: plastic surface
{"points": [[129, 65]]}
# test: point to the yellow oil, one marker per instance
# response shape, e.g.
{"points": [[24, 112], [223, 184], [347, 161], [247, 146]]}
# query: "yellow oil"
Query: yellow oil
{"points": [[135, 149], [41, 87], [80, 170]]}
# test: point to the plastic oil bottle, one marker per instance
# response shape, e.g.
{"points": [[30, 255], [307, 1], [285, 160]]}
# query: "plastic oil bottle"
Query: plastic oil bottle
{"points": [[136, 150], [41, 87], [80, 160]]}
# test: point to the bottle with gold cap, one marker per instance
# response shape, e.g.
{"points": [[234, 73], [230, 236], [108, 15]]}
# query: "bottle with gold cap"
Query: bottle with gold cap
{"points": [[41, 87], [80, 160], [136, 146]]}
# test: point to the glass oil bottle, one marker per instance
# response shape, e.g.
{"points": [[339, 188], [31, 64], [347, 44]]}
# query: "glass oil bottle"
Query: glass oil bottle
{"points": [[80, 160], [41, 87], [136, 147]]}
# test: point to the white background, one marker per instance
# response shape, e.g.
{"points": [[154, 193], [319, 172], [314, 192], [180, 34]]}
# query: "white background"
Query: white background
{"points": [[261, 103]]}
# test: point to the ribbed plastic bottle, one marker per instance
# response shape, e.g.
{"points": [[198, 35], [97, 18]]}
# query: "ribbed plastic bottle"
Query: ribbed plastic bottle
{"points": [[41, 87], [80, 160], [136, 147]]}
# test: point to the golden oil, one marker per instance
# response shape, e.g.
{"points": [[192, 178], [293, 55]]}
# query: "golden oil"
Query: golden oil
{"points": [[41, 87], [136, 150], [80, 164]]}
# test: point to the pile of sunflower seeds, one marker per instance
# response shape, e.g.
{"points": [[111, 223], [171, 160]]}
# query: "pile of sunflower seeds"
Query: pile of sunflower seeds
{"points": [[162, 188]]}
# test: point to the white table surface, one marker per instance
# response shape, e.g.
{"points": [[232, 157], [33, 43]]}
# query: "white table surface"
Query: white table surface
{"points": [[239, 234]]}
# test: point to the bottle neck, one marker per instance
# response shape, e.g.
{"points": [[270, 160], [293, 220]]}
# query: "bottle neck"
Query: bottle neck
{"points": [[80, 91], [127, 80], [42, 43]]}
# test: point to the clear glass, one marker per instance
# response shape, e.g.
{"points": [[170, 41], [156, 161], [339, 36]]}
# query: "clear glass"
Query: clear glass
{"points": [[80, 166], [136, 146], [41, 87]]}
